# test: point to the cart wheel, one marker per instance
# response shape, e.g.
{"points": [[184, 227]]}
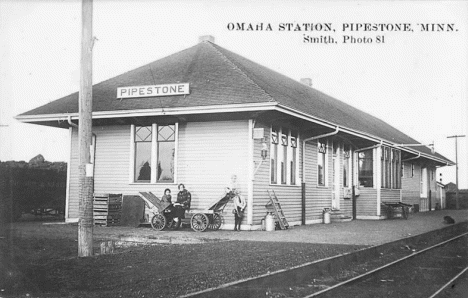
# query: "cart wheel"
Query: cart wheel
{"points": [[199, 222], [158, 222], [215, 221], [405, 212]]}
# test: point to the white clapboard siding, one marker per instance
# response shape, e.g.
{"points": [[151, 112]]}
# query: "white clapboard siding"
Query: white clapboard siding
{"points": [[73, 201], [208, 154], [289, 196], [317, 197], [390, 195], [411, 185], [366, 202]]}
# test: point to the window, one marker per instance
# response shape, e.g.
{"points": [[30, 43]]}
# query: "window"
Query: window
{"points": [[346, 155], [396, 168], [423, 182], [166, 152], [154, 153], [390, 168], [366, 168], [283, 156], [143, 137], [321, 162], [274, 155], [293, 157], [386, 168], [412, 170]]}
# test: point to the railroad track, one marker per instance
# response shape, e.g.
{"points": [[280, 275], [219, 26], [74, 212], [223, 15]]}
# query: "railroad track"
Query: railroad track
{"points": [[408, 272], [426, 273]]}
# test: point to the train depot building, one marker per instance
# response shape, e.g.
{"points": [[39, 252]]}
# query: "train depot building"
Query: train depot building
{"points": [[201, 115]]}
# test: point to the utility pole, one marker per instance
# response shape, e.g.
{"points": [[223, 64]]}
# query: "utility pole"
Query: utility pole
{"points": [[457, 200], [86, 179]]}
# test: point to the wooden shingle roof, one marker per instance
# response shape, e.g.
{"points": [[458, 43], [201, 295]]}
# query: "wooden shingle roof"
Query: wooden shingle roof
{"points": [[220, 77]]}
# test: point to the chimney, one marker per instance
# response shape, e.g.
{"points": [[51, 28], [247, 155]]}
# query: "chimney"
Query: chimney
{"points": [[209, 38], [307, 81]]}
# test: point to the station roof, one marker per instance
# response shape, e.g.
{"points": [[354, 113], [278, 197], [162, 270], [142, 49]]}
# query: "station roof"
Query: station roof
{"points": [[222, 81]]}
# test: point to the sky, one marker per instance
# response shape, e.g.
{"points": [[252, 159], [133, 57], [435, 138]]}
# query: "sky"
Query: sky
{"points": [[414, 80]]}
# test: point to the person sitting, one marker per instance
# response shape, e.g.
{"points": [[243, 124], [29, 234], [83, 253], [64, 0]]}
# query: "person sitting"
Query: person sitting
{"points": [[184, 198], [233, 189], [166, 200]]}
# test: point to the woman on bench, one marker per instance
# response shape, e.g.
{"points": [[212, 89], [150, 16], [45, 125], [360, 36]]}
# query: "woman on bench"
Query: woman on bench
{"points": [[182, 203]]}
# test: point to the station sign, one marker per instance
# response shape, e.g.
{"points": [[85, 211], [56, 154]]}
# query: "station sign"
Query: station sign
{"points": [[153, 90]]}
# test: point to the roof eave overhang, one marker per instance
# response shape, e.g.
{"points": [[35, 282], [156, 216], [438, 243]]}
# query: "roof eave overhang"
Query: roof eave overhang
{"points": [[263, 106], [361, 134]]}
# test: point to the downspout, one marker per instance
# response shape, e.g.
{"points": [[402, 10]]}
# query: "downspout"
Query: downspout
{"points": [[303, 192], [416, 157]]}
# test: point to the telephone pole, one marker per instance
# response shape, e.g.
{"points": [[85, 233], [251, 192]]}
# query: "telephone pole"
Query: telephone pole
{"points": [[457, 200], [86, 180]]}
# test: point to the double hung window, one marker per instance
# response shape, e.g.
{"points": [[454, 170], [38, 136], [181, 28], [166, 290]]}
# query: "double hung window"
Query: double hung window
{"points": [[154, 150], [283, 156], [390, 168], [321, 162], [366, 168], [346, 167]]}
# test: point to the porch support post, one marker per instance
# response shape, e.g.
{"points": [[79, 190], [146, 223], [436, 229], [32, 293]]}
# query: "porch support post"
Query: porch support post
{"points": [[67, 191], [303, 201], [378, 176], [251, 169]]}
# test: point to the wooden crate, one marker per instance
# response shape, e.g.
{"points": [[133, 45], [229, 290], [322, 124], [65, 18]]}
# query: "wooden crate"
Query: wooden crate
{"points": [[107, 209]]}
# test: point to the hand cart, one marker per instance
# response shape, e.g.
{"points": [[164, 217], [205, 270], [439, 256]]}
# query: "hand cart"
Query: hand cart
{"points": [[199, 220], [397, 209]]}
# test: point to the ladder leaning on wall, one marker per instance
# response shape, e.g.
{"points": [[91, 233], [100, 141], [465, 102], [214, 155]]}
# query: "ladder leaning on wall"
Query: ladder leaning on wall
{"points": [[274, 202]]}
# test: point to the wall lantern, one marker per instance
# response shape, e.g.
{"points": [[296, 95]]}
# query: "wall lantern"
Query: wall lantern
{"points": [[264, 154]]}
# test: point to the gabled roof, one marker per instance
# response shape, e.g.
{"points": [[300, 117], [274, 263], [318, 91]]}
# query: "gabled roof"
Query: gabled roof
{"points": [[219, 77]]}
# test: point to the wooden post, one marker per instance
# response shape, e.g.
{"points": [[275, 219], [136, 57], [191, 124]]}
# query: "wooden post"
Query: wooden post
{"points": [[353, 196], [303, 203], [86, 181], [457, 200]]}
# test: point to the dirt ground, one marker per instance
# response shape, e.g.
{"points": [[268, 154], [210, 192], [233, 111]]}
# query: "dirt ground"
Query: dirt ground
{"points": [[47, 265]]}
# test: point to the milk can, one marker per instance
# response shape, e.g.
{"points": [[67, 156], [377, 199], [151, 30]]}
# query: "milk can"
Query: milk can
{"points": [[326, 215], [269, 222]]}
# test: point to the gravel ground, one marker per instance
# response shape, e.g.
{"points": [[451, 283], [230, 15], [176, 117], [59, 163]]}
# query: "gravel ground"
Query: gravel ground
{"points": [[40, 260], [45, 268]]}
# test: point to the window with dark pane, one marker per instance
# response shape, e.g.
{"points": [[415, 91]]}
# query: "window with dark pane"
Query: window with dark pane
{"points": [[284, 158], [143, 136], [366, 168], [346, 155], [293, 157], [166, 152], [274, 154], [321, 162], [388, 168]]}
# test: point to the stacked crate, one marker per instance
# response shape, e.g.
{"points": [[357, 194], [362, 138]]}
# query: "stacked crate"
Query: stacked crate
{"points": [[107, 209]]}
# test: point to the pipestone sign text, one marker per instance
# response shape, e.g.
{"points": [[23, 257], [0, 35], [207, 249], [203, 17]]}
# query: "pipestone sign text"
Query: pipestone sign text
{"points": [[153, 90]]}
